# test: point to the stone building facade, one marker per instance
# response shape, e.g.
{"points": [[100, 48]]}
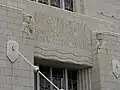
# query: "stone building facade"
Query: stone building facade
{"points": [[72, 41]]}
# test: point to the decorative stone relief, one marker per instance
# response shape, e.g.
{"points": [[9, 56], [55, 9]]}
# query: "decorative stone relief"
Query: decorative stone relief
{"points": [[28, 27], [101, 43], [55, 52], [61, 31], [116, 68]]}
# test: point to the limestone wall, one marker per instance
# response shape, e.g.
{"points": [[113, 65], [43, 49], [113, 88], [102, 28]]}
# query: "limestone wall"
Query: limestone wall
{"points": [[73, 35], [18, 75], [108, 10]]}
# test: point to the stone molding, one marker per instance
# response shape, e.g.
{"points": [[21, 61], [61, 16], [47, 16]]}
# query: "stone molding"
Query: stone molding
{"points": [[63, 54]]}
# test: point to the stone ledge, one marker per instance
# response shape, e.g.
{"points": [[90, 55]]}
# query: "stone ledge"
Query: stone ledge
{"points": [[63, 54], [10, 8]]}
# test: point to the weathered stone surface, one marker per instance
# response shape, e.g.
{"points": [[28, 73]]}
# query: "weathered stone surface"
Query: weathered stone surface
{"points": [[61, 32]]}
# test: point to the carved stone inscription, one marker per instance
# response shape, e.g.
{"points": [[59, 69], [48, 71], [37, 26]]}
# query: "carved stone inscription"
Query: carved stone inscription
{"points": [[60, 31]]}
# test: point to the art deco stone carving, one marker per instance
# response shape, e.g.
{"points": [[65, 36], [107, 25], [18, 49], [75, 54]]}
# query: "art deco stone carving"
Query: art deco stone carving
{"points": [[57, 30], [101, 43], [28, 27], [116, 68], [63, 33]]}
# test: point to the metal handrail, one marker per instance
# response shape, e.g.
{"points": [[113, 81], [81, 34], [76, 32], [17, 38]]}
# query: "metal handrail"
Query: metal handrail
{"points": [[36, 68]]}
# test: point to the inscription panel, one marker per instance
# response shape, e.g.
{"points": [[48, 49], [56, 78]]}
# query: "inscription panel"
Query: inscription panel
{"points": [[62, 31]]}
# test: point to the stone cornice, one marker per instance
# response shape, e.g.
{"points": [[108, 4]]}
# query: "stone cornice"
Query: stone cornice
{"points": [[63, 54]]}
